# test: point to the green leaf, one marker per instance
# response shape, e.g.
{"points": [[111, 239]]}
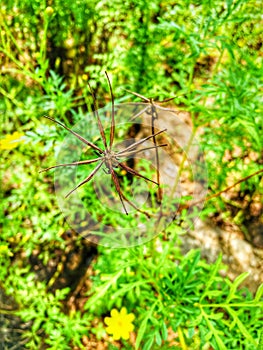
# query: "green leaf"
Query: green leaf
{"points": [[260, 344], [141, 331], [241, 326], [148, 344], [164, 330], [220, 341], [259, 293], [143, 326], [158, 338], [103, 290], [213, 272], [214, 293], [234, 286]]}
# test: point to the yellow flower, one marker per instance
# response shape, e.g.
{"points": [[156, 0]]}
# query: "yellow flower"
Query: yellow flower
{"points": [[11, 141], [119, 324]]}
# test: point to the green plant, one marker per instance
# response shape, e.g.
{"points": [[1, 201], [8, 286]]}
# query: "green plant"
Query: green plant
{"points": [[182, 296], [44, 312], [207, 54]]}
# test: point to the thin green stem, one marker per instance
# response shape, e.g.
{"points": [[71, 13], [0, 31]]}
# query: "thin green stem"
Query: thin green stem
{"points": [[181, 338], [11, 98], [43, 43], [224, 305]]}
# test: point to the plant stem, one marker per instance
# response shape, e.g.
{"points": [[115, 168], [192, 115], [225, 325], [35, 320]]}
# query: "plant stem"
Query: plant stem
{"points": [[227, 188], [181, 338]]}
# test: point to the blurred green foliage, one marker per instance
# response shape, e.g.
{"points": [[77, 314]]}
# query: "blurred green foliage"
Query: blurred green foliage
{"points": [[208, 54], [179, 296]]}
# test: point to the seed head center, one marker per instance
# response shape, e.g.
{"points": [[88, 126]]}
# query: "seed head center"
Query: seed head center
{"points": [[110, 158]]}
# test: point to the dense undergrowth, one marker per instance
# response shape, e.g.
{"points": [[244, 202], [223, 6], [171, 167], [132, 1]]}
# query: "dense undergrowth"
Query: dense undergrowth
{"points": [[205, 53]]}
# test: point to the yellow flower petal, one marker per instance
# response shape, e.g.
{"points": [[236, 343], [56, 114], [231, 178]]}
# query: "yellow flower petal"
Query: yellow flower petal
{"points": [[11, 141], [107, 320], [130, 317], [114, 313], [123, 311]]}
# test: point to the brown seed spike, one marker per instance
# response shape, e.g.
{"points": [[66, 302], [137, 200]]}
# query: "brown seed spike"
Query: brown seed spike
{"points": [[108, 157]]}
